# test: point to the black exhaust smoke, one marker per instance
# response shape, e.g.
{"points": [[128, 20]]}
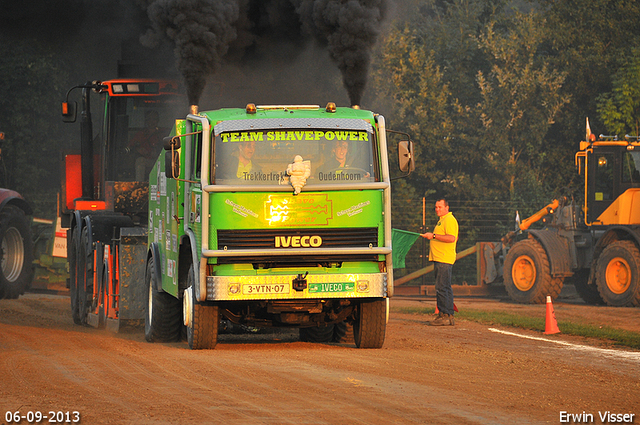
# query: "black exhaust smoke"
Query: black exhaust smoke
{"points": [[206, 30], [349, 30], [201, 31], [204, 33]]}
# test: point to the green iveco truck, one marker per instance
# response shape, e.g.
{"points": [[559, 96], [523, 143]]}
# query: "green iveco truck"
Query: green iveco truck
{"points": [[272, 216]]}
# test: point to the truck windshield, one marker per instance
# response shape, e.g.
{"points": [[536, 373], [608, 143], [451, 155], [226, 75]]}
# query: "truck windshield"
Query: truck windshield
{"points": [[262, 157]]}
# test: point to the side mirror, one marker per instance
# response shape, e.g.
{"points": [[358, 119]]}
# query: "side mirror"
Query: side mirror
{"points": [[406, 160], [172, 164], [171, 142], [69, 111]]}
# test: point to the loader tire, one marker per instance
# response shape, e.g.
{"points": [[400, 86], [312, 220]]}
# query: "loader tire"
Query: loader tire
{"points": [[317, 334], [371, 323], [618, 274], [527, 275], [16, 252], [588, 293], [164, 312], [202, 330]]}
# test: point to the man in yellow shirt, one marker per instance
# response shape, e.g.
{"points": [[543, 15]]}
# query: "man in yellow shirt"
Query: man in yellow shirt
{"points": [[442, 252]]}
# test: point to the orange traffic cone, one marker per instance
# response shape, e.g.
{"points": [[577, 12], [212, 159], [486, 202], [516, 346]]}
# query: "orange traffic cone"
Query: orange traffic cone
{"points": [[551, 325], [455, 308]]}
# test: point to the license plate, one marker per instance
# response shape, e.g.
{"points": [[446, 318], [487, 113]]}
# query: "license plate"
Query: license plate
{"points": [[332, 287], [265, 289]]}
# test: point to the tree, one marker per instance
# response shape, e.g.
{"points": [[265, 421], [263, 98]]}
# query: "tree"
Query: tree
{"points": [[619, 109], [586, 40], [410, 80], [521, 97], [29, 101], [472, 82]]}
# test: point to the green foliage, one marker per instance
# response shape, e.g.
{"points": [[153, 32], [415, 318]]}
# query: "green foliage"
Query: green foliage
{"points": [[473, 84], [619, 109], [420, 106], [588, 38], [520, 98], [29, 99]]}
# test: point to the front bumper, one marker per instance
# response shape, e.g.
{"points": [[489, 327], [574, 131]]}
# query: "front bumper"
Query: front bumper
{"points": [[289, 287]]}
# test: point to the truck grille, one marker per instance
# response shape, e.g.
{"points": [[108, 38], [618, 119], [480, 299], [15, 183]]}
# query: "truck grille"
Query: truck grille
{"points": [[269, 238], [281, 238]]}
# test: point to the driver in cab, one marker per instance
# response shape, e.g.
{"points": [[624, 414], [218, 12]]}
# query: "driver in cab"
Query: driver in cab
{"points": [[338, 163], [240, 164]]}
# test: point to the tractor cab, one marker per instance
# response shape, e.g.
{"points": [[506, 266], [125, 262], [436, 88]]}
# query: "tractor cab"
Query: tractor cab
{"points": [[111, 170]]}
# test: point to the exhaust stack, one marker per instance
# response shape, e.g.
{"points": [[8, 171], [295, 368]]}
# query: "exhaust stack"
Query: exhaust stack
{"points": [[355, 106], [193, 109]]}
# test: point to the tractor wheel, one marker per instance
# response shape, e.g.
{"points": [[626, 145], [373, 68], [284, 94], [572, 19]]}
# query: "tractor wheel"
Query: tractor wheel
{"points": [[164, 312], [588, 293], [317, 334], [527, 275], [72, 254], [16, 256], [85, 276], [371, 324], [202, 320], [618, 274]]}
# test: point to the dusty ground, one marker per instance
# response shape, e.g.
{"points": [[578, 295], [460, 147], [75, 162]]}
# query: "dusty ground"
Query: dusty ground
{"points": [[467, 374]]}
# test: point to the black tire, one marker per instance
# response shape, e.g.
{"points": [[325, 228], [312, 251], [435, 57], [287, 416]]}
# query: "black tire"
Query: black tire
{"points": [[164, 312], [588, 293], [72, 254], [618, 274], [343, 333], [527, 275], [16, 252], [317, 334], [85, 276], [202, 331], [371, 323]]}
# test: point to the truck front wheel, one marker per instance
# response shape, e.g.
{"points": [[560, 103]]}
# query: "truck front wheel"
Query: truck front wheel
{"points": [[16, 257], [618, 274], [164, 311], [202, 320], [527, 275], [370, 325]]}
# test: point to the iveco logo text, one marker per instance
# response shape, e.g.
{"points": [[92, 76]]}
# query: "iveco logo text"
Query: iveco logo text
{"points": [[298, 241]]}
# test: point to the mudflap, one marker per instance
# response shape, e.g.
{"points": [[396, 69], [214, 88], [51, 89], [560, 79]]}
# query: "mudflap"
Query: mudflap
{"points": [[132, 255]]}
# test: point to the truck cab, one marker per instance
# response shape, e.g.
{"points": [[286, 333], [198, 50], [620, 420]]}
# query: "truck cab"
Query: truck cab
{"points": [[272, 216]]}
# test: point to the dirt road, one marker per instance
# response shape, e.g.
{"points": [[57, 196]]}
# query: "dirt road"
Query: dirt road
{"points": [[467, 374]]}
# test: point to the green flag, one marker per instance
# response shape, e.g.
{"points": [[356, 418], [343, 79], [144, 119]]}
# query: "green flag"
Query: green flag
{"points": [[401, 242]]}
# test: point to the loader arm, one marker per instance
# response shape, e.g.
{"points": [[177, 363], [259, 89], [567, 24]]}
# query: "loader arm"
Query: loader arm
{"points": [[550, 208]]}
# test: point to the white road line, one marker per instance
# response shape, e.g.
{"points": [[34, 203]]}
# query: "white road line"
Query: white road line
{"points": [[629, 355]]}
